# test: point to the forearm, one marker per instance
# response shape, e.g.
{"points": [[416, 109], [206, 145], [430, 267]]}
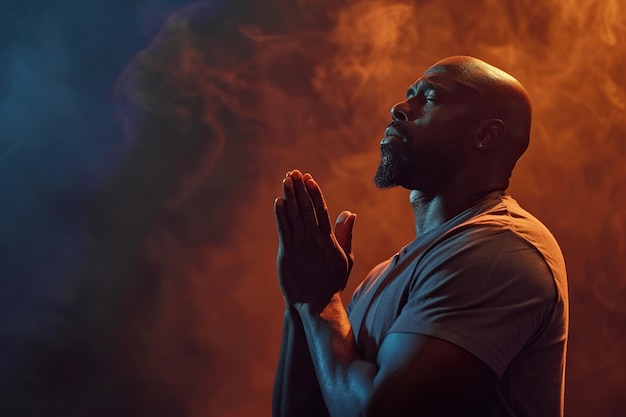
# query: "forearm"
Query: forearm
{"points": [[296, 390], [345, 380]]}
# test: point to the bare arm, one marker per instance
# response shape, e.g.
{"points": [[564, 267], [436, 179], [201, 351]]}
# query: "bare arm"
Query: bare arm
{"points": [[414, 374], [296, 390]]}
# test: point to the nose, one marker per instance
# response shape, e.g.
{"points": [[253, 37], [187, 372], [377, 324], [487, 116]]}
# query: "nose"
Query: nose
{"points": [[401, 111]]}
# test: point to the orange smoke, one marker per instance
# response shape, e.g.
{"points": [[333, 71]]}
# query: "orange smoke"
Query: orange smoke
{"points": [[310, 87]]}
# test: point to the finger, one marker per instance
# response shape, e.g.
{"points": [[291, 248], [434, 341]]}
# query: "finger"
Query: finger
{"points": [[343, 230], [321, 210], [304, 201], [292, 211], [282, 223]]}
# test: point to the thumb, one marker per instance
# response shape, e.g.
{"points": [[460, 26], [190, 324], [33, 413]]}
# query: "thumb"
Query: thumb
{"points": [[343, 231]]}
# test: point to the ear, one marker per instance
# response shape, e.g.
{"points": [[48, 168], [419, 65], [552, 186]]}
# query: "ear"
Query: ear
{"points": [[488, 134]]}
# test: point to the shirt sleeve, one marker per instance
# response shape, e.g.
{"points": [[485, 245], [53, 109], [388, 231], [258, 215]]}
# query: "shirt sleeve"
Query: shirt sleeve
{"points": [[484, 289]]}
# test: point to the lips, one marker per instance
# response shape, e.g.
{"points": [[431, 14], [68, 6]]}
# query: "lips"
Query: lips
{"points": [[392, 135]]}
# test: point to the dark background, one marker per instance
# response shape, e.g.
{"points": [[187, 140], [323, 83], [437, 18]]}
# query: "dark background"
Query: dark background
{"points": [[142, 143]]}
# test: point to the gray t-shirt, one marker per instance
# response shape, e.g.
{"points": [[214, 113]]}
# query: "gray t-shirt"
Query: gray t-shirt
{"points": [[492, 281]]}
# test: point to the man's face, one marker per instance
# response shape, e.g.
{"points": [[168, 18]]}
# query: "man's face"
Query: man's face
{"points": [[426, 143]]}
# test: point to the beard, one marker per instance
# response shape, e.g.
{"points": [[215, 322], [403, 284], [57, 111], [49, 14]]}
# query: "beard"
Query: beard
{"points": [[426, 169], [393, 169]]}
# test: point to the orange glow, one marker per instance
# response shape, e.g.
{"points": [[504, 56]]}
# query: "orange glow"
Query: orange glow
{"points": [[313, 91]]}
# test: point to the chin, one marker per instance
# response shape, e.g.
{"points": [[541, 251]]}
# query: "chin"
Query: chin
{"points": [[382, 185], [392, 171], [385, 176]]}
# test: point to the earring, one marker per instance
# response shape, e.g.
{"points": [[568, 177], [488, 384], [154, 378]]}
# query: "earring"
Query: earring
{"points": [[480, 145]]}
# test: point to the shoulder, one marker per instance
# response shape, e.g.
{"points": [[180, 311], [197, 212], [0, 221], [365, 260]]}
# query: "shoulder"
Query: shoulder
{"points": [[508, 216], [485, 253], [505, 238]]}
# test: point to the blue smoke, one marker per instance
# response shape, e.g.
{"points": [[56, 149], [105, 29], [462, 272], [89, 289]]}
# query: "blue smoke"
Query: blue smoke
{"points": [[61, 138]]}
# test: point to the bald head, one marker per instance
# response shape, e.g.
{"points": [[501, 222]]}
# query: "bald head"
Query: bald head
{"points": [[463, 121], [496, 95]]}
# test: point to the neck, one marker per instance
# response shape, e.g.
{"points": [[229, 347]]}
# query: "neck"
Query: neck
{"points": [[428, 211], [431, 210]]}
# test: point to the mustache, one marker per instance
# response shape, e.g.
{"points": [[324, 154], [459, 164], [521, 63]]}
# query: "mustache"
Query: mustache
{"points": [[399, 127]]}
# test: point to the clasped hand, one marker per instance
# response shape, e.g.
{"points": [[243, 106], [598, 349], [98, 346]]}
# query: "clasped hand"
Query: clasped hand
{"points": [[313, 262]]}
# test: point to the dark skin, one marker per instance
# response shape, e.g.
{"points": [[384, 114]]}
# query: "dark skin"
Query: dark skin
{"points": [[414, 375]]}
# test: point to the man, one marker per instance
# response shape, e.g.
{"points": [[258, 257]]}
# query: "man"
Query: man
{"points": [[469, 319]]}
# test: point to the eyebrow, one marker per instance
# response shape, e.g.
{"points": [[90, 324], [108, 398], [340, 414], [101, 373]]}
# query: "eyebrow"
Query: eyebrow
{"points": [[428, 84]]}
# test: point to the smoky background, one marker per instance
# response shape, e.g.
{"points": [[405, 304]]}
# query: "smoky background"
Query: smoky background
{"points": [[144, 143]]}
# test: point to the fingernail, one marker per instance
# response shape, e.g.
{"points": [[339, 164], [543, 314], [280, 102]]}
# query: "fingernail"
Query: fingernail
{"points": [[297, 175]]}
